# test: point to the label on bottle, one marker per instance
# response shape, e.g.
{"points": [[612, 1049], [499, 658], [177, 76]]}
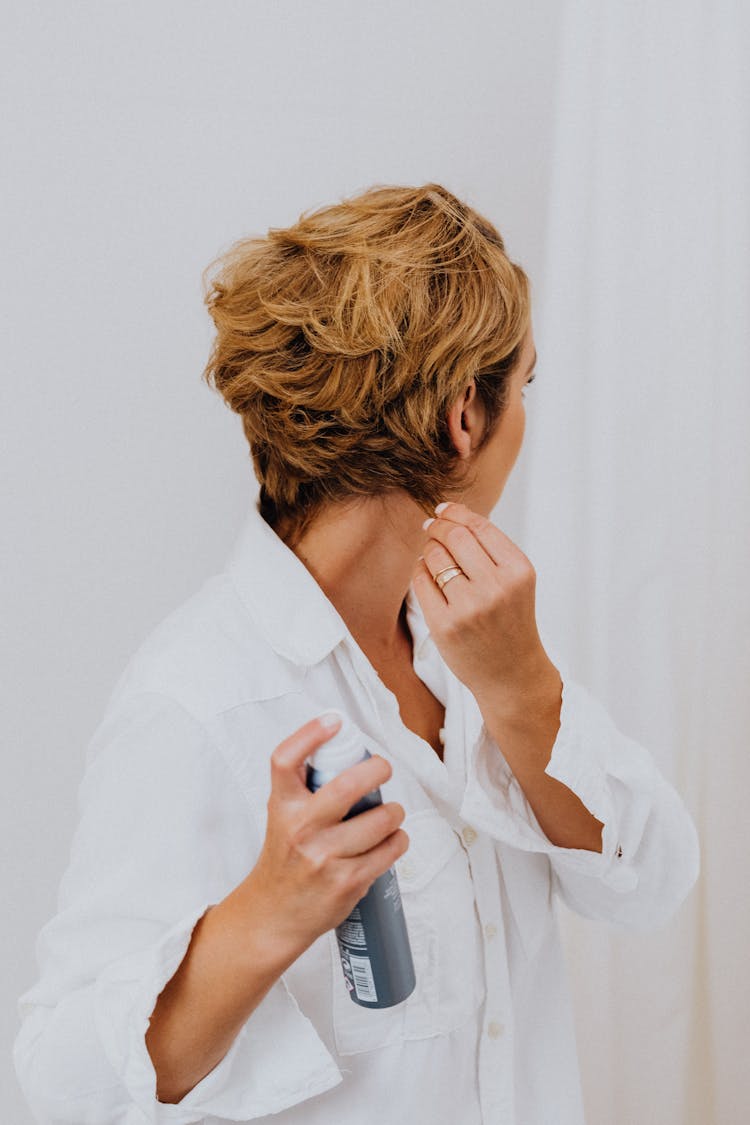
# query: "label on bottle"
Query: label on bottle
{"points": [[392, 892], [357, 965], [364, 985], [352, 932]]}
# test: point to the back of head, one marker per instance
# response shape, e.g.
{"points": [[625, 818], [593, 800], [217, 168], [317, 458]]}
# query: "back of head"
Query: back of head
{"points": [[342, 341]]}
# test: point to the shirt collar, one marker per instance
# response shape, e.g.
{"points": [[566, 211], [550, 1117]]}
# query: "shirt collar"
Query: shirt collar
{"points": [[287, 604]]}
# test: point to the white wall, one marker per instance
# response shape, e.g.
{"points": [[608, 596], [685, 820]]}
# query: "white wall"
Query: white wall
{"points": [[140, 140]]}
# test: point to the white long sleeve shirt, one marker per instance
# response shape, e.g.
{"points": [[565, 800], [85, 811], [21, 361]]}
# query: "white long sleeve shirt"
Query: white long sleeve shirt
{"points": [[172, 814]]}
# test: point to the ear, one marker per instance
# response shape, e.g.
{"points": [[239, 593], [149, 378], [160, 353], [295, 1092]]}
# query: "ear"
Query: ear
{"points": [[466, 421]]}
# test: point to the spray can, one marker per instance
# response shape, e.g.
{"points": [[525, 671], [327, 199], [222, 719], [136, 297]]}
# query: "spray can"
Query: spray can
{"points": [[373, 940]]}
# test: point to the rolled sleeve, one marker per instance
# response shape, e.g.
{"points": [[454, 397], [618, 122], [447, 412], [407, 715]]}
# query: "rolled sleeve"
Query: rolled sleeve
{"points": [[254, 1078], [650, 854], [163, 834]]}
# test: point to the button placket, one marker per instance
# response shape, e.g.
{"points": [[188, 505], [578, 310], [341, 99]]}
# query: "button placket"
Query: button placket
{"points": [[495, 1062], [496, 1042]]}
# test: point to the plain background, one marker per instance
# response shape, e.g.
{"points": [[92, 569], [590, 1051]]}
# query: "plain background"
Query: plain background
{"points": [[142, 139], [610, 144]]}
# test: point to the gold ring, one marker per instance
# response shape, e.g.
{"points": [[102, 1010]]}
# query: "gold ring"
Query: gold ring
{"points": [[449, 572]]}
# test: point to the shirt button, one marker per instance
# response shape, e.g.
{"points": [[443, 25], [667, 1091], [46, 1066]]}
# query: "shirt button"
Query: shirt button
{"points": [[406, 869], [495, 1029], [469, 835], [490, 930]]}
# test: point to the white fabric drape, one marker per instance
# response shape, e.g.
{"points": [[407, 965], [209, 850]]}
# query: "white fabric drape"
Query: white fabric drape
{"points": [[636, 513]]}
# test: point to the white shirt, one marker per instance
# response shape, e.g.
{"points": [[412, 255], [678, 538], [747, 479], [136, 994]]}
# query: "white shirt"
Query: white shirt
{"points": [[172, 813]]}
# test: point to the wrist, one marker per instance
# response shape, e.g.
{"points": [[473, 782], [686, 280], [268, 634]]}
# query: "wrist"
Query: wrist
{"points": [[535, 693], [267, 937]]}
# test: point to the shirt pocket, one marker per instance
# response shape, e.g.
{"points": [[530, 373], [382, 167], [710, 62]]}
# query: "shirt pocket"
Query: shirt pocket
{"points": [[438, 902]]}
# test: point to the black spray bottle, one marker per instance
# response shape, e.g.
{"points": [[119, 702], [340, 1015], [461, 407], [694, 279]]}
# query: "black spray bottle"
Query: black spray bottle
{"points": [[373, 940]]}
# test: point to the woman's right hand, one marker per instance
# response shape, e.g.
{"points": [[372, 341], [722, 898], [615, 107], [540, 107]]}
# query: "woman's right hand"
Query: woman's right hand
{"points": [[313, 869]]}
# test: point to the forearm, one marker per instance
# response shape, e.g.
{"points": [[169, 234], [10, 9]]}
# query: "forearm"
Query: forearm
{"points": [[525, 725], [231, 963]]}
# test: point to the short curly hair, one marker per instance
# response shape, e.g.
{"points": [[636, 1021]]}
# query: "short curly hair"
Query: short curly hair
{"points": [[342, 341]]}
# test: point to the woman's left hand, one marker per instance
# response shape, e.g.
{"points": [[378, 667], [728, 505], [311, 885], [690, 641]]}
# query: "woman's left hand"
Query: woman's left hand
{"points": [[483, 621]]}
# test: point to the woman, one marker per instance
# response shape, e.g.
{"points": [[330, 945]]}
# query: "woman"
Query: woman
{"points": [[377, 353]]}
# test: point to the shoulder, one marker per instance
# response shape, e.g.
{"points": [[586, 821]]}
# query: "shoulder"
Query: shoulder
{"points": [[208, 656]]}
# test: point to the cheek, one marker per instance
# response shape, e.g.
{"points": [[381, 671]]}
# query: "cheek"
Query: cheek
{"points": [[519, 426]]}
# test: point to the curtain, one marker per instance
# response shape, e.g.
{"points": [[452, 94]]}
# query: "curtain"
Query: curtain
{"points": [[636, 512]]}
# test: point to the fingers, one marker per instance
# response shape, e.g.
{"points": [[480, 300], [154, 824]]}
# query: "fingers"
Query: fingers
{"points": [[366, 831], [380, 858], [431, 597], [499, 546], [288, 759], [452, 543], [334, 799]]}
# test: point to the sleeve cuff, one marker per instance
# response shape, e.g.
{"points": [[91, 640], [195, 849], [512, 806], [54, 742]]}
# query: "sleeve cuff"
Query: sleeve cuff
{"points": [[580, 759], [254, 1079]]}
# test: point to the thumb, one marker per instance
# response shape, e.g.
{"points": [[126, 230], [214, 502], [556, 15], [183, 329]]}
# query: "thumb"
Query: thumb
{"points": [[288, 759]]}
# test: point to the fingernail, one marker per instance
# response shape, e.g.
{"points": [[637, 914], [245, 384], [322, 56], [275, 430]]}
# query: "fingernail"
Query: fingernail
{"points": [[427, 522], [330, 719], [441, 507]]}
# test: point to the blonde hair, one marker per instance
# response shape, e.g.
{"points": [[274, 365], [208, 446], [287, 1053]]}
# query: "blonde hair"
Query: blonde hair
{"points": [[342, 341]]}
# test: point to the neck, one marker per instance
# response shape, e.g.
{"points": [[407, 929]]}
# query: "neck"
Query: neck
{"points": [[363, 556]]}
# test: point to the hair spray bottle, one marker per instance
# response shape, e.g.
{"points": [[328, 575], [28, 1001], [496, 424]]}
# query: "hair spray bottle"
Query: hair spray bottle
{"points": [[373, 940]]}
